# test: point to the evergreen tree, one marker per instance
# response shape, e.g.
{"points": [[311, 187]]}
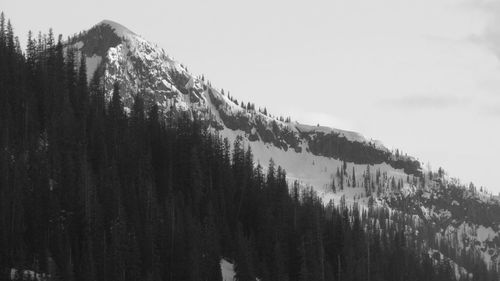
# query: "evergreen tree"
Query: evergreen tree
{"points": [[353, 177]]}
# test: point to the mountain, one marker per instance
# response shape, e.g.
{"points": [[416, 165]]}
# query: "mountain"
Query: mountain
{"points": [[117, 163], [142, 68], [456, 220]]}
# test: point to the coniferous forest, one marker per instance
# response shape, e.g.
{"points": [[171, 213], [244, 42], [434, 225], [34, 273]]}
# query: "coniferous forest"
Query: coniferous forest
{"points": [[88, 192]]}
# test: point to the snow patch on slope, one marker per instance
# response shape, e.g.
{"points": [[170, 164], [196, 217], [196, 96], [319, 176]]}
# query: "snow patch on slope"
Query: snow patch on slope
{"points": [[312, 170], [227, 270], [485, 233]]}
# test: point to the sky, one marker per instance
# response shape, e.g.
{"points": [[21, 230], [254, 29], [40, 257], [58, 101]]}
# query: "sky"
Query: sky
{"points": [[421, 76]]}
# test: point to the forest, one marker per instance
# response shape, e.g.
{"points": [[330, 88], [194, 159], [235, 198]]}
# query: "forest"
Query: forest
{"points": [[89, 192]]}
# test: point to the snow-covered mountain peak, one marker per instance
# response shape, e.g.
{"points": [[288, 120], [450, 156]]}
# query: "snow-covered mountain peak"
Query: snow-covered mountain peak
{"points": [[119, 29]]}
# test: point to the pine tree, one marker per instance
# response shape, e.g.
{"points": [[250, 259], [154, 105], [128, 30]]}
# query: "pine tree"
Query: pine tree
{"points": [[2, 29], [9, 39], [353, 177]]}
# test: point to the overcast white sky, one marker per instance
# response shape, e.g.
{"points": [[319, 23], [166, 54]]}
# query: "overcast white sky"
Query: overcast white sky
{"points": [[422, 76]]}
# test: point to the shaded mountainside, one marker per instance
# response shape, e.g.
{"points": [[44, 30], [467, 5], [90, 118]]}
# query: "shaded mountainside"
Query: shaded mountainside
{"points": [[461, 222]]}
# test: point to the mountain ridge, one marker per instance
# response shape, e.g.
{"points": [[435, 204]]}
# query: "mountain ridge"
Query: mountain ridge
{"points": [[337, 163], [169, 81]]}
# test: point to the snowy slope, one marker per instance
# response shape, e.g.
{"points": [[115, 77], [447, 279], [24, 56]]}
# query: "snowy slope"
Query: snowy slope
{"points": [[312, 155], [227, 270]]}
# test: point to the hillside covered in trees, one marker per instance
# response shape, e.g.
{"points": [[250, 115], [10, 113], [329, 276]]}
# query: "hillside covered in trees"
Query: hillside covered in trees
{"points": [[90, 192]]}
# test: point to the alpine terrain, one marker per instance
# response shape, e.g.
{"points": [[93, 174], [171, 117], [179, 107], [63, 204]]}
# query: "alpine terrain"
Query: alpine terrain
{"points": [[133, 168]]}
